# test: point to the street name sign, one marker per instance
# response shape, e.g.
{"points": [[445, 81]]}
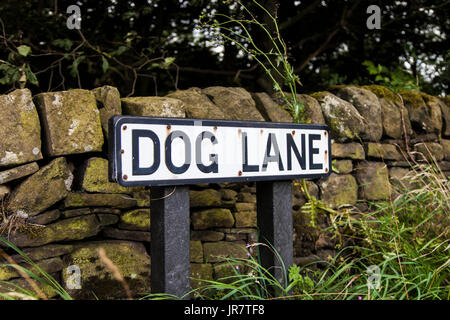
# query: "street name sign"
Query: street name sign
{"points": [[148, 151]]}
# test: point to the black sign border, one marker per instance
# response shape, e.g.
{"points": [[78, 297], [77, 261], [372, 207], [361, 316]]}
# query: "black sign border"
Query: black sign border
{"points": [[115, 159]]}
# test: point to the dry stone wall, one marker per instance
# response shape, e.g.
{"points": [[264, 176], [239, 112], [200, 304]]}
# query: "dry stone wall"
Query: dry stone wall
{"points": [[59, 207]]}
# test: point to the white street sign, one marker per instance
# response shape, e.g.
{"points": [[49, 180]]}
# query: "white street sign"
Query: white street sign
{"points": [[146, 151]]}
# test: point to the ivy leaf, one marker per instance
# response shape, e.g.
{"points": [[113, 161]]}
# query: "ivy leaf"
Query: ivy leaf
{"points": [[23, 50], [105, 64]]}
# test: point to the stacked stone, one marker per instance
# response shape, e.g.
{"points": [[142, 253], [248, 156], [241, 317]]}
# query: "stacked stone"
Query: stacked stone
{"points": [[60, 208], [377, 135]]}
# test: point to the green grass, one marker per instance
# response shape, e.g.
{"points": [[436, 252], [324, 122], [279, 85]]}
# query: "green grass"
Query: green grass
{"points": [[36, 279], [406, 238]]}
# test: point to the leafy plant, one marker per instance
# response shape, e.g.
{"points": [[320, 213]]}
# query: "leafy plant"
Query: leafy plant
{"points": [[238, 30], [16, 70], [396, 79]]}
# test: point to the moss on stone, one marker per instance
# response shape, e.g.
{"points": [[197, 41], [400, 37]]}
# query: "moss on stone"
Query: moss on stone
{"points": [[212, 218], [95, 178], [412, 98], [196, 251], [129, 257], [383, 92], [138, 219]]}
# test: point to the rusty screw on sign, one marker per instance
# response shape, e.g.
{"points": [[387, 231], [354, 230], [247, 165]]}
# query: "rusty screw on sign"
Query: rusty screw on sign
{"points": [[124, 128], [124, 177]]}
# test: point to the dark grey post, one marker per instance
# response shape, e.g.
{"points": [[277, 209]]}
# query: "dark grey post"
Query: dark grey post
{"points": [[274, 215], [169, 246]]}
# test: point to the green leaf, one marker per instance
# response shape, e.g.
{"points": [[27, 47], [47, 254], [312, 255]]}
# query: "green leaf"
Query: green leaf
{"points": [[23, 50], [167, 62], [105, 64], [74, 66], [66, 44], [31, 77]]}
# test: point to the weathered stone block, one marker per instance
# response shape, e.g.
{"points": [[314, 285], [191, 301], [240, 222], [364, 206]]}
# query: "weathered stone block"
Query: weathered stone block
{"points": [[351, 150], [153, 106], [438, 113], [38, 192], [400, 179], [235, 102], [312, 108], [44, 252], [196, 251], [429, 150], [270, 110], [79, 199], [383, 151], [343, 166], [373, 180], [205, 198], [129, 257], [198, 105], [339, 190], [207, 235], [216, 251], [445, 109], [424, 117], [212, 218], [95, 178], [368, 107], [77, 228], [391, 112], [245, 219], [446, 148], [20, 130], [138, 219], [45, 217], [18, 172], [48, 265], [71, 122], [114, 233], [246, 197], [108, 102], [313, 111], [245, 206], [343, 119]]}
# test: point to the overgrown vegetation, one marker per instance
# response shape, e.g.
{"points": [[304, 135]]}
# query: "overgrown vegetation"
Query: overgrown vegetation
{"points": [[406, 239]]}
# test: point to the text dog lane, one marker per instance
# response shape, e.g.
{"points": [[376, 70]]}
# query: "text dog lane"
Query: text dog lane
{"points": [[168, 151]]}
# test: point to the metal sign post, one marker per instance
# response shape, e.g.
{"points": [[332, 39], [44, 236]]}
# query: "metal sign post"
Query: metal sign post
{"points": [[168, 154]]}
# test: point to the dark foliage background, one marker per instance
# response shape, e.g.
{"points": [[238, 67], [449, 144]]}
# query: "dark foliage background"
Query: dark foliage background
{"points": [[152, 47]]}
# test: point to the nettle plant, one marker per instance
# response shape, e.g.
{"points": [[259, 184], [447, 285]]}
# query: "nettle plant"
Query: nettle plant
{"points": [[239, 30]]}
